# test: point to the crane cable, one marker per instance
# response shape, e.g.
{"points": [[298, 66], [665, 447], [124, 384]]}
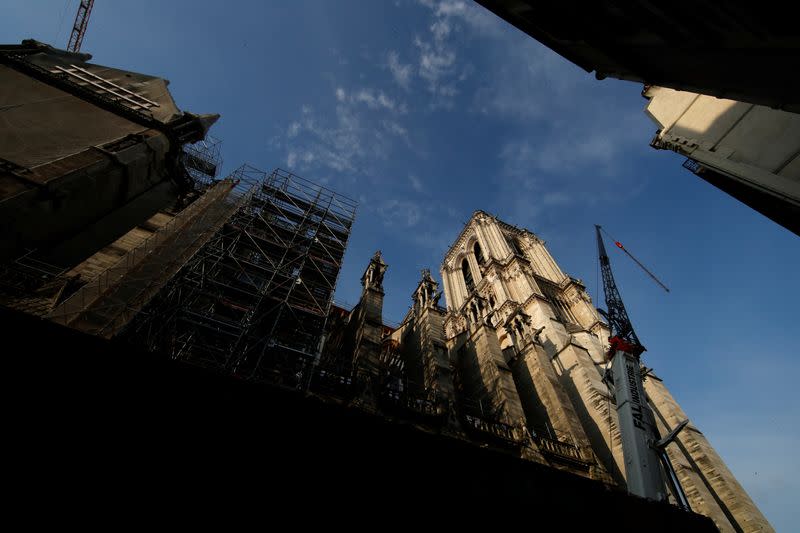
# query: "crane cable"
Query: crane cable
{"points": [[621, 247]]}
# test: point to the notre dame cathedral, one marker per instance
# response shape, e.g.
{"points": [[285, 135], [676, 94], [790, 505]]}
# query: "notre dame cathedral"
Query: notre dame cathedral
{"points": [[516, 362], [159, 316]]}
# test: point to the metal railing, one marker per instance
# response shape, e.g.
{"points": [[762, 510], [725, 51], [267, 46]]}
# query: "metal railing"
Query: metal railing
{"points": [[560, 448], [500, 430]]}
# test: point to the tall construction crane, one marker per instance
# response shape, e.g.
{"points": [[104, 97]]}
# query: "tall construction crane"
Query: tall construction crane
{"points": [[79, 27], [647, 467]]}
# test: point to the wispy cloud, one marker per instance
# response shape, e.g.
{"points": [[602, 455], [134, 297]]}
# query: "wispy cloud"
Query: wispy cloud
{"points": [[474, 16], [539, 175], [454, 21], [569, 145], [559, 126], [440, 29], [416, 183], [374, 99], [433, 228], [437, 68], [400, 72], [437, 59], [527, 82], [357, 135], [395, 128], [340, 146], [571, 154], [399, 213]]}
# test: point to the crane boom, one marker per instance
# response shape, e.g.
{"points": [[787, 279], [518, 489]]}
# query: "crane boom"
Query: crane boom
{"points": [[79, 27]]}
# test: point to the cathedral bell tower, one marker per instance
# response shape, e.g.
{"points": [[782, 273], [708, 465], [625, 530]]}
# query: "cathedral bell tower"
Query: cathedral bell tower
{"points": [[508, 315]]}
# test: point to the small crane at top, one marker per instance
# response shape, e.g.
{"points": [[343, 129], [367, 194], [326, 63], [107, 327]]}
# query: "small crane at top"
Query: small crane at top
{"points": [[648, 470], [79, 27]]}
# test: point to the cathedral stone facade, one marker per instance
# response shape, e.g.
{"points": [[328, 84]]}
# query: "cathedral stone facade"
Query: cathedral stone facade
{"points": [[516, 362]]}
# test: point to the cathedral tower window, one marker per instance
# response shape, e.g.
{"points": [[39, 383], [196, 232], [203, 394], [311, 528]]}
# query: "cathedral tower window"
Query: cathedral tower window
{"points": [[514, 244], [465, 270], [478, 253]]}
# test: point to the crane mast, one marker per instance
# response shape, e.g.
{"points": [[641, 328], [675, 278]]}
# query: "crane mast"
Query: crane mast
{"points": [[79, 27], [644, 453]]}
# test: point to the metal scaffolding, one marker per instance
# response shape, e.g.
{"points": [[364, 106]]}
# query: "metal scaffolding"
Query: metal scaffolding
{"points": [[34, 286], [254, 300], [202, 160], [110, 301]]}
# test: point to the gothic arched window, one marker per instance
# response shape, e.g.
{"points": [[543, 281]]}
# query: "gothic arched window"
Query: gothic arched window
{"points": [[465, 270], [478, 253], [514, 244]]}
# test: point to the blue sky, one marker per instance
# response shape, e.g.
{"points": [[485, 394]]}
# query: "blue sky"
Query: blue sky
{"points": [[427, 111]]}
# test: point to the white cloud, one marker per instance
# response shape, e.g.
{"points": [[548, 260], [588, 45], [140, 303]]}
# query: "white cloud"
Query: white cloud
{"points": [[435, 61], [339, 146], [438, 61], [374, 99], [399, 213], [476, 17], [572, 162], [401, 72], [559, 122], [352, 140], [386, 102], [440, 29], [366, 97], [416, 183], [395, 128]]}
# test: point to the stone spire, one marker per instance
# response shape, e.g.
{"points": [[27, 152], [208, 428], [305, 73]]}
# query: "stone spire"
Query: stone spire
{"points": [[368, 316], [427, 293]]}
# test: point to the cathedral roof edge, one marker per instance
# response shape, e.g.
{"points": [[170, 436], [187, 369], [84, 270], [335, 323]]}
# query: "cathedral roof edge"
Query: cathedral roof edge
{"points": [[452, 251]]}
